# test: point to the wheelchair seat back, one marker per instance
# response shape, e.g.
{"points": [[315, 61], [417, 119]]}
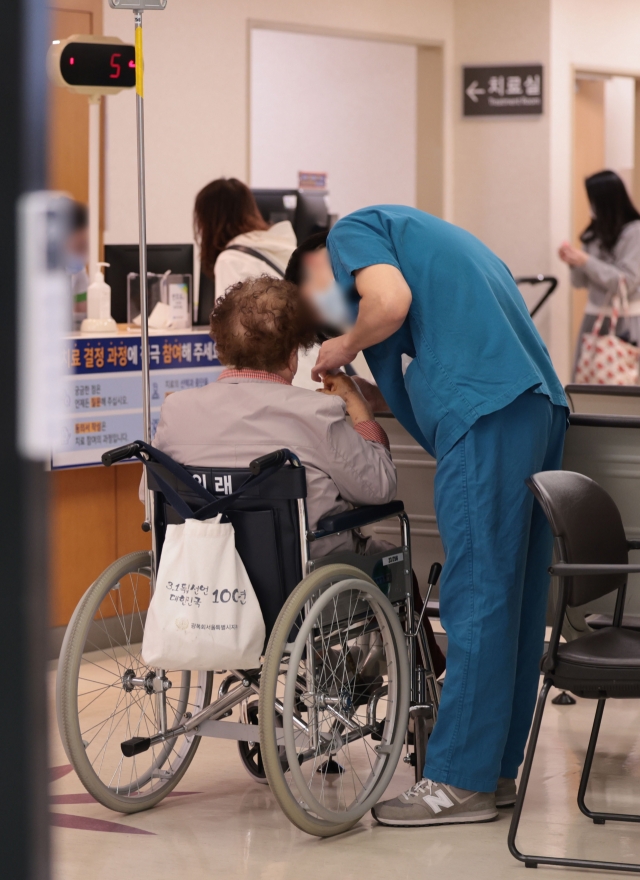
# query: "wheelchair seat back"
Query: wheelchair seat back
{"points": [[266, 522]]}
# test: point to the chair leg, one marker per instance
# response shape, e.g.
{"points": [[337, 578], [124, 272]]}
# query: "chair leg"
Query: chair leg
{"points": [[531, 861], [598, 818], [524, 779], [588, 762]]}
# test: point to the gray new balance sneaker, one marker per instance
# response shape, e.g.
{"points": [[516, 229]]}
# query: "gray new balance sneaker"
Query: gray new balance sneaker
{"points": [[506, 792], [434, 803]]}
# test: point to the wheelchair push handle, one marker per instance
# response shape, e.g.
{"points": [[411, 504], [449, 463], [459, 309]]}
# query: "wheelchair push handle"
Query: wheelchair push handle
{"points": [[271, 459], [120, 454]]}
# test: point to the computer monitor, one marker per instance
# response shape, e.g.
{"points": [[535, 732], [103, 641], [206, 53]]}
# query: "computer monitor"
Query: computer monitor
{"points": [[125, 258], [206, 299], [312, 214], [306, 210], [276, 205]]}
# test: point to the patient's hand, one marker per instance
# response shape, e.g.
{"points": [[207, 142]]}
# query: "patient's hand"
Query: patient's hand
{"points": [[343, 386], [372, 395]]}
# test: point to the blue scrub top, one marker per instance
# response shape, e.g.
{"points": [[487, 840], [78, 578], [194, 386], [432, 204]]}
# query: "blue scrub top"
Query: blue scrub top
{"points": [[474, 346]]}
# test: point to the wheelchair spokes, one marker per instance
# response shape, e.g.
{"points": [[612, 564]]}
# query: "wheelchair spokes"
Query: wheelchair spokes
{"points": [[343, 732], [106, 694]]}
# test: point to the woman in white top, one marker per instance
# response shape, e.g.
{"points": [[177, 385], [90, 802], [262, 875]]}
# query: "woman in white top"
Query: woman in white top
{"points": [[611, 252], [237, 243]]}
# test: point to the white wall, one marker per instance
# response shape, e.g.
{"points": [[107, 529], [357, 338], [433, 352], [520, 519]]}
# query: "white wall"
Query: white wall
{"points": [[501, 165], [197, 94], [343, 106]]}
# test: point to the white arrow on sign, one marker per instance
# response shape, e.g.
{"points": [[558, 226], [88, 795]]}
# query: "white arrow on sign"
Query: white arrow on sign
{"points": [[473, 91]]}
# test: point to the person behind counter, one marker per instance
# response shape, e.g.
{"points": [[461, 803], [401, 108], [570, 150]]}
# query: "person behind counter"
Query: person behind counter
{"points": [[77, 257], [236, 243], [610, 252]]}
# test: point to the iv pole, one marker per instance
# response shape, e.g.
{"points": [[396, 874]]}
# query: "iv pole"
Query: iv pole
{"points": [[142, 224], [138, 7]]}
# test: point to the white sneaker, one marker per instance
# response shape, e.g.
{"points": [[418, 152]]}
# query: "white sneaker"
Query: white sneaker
{"points": [[435, 803]]}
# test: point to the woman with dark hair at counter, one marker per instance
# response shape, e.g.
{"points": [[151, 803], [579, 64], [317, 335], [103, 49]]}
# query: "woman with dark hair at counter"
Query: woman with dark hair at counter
{"points": [[610, 252], [237, 243]]}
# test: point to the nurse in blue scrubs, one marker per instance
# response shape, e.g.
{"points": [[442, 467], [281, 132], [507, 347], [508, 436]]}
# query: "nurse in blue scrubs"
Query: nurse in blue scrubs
{"points": [[460, 363]]}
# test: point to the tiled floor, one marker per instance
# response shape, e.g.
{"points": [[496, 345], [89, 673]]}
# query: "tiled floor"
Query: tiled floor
{"points": [[221, 823]]}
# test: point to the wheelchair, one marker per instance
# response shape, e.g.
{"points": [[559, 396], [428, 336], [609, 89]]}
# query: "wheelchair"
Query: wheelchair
{"points": [[345, 684]]}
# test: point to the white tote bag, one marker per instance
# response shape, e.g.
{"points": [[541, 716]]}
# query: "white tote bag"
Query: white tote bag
{"points": [[608, 360], [204, 613]]}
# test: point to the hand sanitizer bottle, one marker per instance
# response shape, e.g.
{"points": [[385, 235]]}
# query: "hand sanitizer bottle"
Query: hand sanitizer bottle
{"points": [[99, 318]]}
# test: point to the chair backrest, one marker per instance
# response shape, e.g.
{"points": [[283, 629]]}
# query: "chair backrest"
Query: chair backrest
{"points": [[265, 520], [587, 522]]}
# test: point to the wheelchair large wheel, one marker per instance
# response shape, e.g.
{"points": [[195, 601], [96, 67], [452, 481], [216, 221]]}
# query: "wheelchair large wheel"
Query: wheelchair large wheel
{"points": [[107, 694], [344, 728]]}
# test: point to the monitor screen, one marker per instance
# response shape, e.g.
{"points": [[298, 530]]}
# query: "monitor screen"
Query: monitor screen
{"points": [[125, 258], [276, 205]]}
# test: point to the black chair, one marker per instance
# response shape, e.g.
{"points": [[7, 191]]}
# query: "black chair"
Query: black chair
{"points": [[593, 560]]}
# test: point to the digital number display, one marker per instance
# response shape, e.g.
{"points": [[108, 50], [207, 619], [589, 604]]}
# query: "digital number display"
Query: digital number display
{"points": [[98, 64]]}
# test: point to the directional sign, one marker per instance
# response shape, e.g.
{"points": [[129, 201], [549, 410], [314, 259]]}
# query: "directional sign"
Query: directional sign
{"points": [[512, 90]]}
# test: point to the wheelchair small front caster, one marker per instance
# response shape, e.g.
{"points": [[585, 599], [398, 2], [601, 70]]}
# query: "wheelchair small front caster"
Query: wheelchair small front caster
{"points": [[330, 768]]}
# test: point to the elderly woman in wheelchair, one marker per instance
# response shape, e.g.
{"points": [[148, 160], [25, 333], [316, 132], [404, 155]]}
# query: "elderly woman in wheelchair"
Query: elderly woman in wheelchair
{"points": [[324, 718]]}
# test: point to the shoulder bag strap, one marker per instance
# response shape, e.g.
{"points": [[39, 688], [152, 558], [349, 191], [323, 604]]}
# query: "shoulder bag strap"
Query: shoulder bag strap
{"points": [[254, 253], [597, 327]]}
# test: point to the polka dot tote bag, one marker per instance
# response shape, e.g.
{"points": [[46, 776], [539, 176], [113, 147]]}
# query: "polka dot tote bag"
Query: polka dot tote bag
{"points": [[608, 360]]}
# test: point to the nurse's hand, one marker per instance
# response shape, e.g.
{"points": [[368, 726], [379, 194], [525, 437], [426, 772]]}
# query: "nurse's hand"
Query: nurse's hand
{"points": [[334, 353]]}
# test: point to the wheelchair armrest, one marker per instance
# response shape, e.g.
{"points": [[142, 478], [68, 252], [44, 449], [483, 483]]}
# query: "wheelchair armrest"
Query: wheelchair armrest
{"points": [[355, 519]]}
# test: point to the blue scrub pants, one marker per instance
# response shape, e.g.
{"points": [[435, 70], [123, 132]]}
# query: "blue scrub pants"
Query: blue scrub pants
{"points": [[493, 593]]}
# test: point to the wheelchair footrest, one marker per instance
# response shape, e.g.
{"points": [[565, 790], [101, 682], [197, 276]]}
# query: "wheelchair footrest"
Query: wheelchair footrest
{"points": [[135, 746]]}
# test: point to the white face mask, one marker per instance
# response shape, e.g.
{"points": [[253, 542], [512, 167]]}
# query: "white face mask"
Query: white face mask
{"points": [[333, 307]]}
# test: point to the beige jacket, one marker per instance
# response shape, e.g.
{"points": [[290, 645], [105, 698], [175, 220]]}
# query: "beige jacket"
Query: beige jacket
{"points": [[244, 414], [277, 244]]}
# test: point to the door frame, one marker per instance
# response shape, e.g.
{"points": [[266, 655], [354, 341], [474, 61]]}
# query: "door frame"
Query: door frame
{"points": [[595, 71]]}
